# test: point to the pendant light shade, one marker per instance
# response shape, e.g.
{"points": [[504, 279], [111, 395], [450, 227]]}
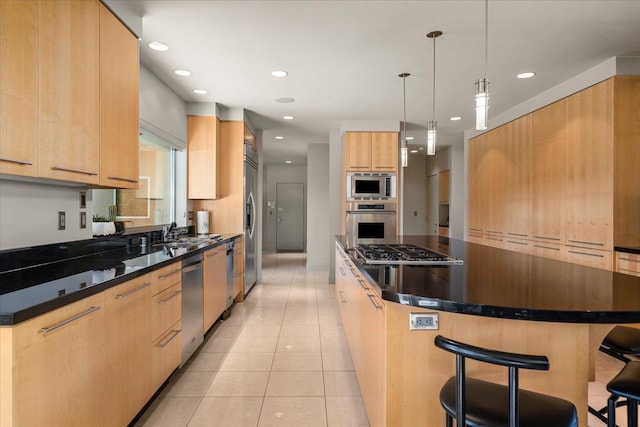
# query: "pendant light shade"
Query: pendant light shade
{"points": [[404, 150], [432, 126], [482, 103], [482, 85], [431, 138]]}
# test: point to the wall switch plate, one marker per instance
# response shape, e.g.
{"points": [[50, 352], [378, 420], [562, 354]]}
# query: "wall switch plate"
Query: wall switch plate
{"points": [[423, 321], [83, 220], [62, 223]]}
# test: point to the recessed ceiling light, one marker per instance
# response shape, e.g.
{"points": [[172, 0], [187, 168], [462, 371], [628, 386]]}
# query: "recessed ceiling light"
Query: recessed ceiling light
{"points": [[287, 117], [200, 91], [183, 73], [279, 137], [526, 75], [421, 148], [288, 161], [409, 138], [285, 100], [413, 151], [158, 46], [279, 73], [455, 118]]}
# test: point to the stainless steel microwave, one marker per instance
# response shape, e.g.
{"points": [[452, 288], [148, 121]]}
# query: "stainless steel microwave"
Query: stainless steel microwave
{"points": [[371, 186]]}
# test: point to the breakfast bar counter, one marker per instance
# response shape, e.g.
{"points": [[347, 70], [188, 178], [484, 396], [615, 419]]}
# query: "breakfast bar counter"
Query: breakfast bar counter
{"points": [[497, 299]]}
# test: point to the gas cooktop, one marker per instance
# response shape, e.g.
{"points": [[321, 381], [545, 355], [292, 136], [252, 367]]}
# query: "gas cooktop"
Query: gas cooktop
{"points": [[406, 254]]}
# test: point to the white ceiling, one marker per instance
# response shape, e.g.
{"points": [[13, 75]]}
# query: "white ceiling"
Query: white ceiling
{"points": [[344, 57]]}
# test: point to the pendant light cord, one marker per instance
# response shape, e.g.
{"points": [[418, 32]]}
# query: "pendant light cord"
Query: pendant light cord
{"points": [[486, 36], [404, 97], [434, 79]]}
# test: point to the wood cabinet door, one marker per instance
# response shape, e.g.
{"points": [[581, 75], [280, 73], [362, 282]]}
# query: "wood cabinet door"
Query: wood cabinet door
{"points": [[494, 184], [128, 349], [475, 202], [384, 151], [215, 284], [238, 268], [548, 165], [357, 154], [202, 157], [373, 375], [517, 170], [69, 146], [443, 187], [59, 368], [589, 174], [165, 355], [119, 92], [19, 123]]}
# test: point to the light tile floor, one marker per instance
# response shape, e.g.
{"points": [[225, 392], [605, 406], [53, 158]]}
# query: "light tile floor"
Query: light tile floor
{"points": [[281, 359]]}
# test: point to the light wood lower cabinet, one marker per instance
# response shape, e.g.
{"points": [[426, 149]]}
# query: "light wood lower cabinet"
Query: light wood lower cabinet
{"points": [[127, 335], [165, 355], [238, 269], [215, 284], [590, 257], [54, 368], [628, 263]]}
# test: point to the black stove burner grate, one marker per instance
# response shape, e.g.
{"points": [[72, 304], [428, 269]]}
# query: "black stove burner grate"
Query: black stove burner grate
{"points": [[399, 252]]}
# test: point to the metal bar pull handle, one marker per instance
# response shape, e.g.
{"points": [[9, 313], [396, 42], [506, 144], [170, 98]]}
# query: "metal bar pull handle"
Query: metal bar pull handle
{"points": [[119, 178], [341, 298], [170, 297], [547, 238], [344, 273], [133, 291], [58, 168], [20, 162], [586, 243], [192, 267], [586, 253], [373, 303], [69, 320], [174, 334], [629, 259], [362, 284], [164, 276]]}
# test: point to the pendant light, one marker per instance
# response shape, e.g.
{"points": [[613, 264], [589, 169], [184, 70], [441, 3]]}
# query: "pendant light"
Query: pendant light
{"points": [[482, 85], [432, 126], [404, 154]]}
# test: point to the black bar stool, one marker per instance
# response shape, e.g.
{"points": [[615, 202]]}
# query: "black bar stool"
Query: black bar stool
{"points": [[627, 385], [620, 342], [485, 404]]}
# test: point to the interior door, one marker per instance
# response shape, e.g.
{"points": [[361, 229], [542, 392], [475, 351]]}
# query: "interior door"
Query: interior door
{"points": [[290, 217], [433, 191]]}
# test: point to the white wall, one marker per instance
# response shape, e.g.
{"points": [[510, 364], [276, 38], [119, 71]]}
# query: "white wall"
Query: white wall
{"points": [[318, 221], [414, 197], [335, 194], [275, 174]]}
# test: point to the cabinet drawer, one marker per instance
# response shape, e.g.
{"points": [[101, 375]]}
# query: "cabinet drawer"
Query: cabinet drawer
{"points": [[628, 263], [165, 354], [166, 277], [517, 245], [589, 257], [474, 235], [495, 239], [166, 309], [547, 250]]}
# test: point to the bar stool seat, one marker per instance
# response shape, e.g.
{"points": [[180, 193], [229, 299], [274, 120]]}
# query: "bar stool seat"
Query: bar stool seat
{"points": [[627, 385], [622, 341], [484, 404], [491, 409]]}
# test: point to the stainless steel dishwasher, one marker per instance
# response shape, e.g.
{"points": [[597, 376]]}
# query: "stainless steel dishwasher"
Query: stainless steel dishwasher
{"points": [[192, 306], [229, 274]]}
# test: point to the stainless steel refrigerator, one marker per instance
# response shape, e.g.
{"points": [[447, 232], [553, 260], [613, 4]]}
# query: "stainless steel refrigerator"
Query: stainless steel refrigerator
{"points": [[252, 222]]}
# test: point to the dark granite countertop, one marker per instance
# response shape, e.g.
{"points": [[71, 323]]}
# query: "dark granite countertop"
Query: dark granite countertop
{"points": [[628, 249], [499, 283], [36, 280]]}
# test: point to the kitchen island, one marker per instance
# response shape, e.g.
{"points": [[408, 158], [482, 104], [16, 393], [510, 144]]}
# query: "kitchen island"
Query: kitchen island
{"points": [[498, 299]]}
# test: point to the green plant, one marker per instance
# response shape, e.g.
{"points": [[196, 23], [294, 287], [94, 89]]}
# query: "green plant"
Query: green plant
{"points": [[99, 218]]}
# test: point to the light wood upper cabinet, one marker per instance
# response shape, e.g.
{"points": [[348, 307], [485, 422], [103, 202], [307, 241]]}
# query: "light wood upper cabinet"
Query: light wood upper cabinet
{"points": [[475, 176], [548, 160], [204, 170], [19, 33], [384, 151], [215, 284], [128, 350], [57, 373], [371, 151], [494, 184], [69, 146], [119, 112], [517, 171], [589, 172]]}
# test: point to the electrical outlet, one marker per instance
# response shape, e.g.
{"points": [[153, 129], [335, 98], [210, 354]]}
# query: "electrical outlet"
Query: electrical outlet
{"points": [[62, 223], [423, 321], [83, 220]]}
